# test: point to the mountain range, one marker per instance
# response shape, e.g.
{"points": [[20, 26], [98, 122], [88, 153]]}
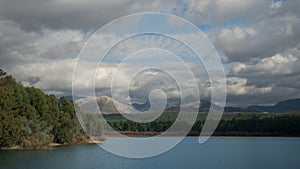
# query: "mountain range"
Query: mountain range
{"points": [[290, 105], [108, 105]]}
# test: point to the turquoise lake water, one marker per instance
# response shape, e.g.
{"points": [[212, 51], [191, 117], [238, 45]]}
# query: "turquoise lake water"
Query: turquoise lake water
{"points": [[216, 153]]}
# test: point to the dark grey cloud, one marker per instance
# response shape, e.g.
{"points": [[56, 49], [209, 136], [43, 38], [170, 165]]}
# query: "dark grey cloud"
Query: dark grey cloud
{"points": [[278, 94], [18, 47], [262, 37], [280, 73], [87, 15], [59, 14]]}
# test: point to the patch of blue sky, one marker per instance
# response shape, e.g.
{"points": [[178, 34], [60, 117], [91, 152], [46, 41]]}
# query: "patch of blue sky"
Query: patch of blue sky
{"points": [[217, 27], [160, 23], [181, 6], [279, 0]]}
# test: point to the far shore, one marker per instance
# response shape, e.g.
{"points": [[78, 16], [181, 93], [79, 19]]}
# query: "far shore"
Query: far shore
{"points": [[177, 134]]}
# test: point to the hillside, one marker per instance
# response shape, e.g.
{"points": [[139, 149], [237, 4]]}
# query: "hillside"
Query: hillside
{"points": [[30, 119]]}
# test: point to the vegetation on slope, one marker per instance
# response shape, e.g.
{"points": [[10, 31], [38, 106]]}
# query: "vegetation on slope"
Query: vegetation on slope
{"points": [[32, 120]]}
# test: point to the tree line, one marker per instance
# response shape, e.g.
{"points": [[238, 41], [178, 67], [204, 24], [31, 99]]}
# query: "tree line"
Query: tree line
{"points": [[237, 124]]}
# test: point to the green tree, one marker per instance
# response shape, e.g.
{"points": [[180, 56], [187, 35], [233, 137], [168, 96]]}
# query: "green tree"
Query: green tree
{"points": [[38, 100], [10, 129], [64, 128]]}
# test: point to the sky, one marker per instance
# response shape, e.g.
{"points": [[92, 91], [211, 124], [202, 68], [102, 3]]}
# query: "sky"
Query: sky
{"points": [[258, 42]]}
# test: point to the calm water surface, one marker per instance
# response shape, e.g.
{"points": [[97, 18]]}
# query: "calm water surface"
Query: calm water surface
{"points": [[217, 153]]}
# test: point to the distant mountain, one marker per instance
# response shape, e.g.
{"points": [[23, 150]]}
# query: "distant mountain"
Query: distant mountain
{"points": [[203, 106], [188, 104], [283, 106], [70, 97], [105, 103], [142, 107]]}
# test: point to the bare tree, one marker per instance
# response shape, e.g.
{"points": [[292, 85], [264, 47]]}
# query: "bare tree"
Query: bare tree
{"points": [[2, 73]]}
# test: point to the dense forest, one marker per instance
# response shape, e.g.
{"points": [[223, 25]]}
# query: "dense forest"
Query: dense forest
{"points": [[31, 119], [232, 124]]}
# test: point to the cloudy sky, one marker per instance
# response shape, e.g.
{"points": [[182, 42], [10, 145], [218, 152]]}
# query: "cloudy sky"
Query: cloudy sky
{"points": [[258, 41]]}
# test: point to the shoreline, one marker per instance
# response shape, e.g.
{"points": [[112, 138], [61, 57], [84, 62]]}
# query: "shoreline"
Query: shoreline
{"points": [[51, 146]]}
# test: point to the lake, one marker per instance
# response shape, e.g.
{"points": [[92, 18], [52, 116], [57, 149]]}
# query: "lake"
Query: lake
{"points": [[216, 153]]}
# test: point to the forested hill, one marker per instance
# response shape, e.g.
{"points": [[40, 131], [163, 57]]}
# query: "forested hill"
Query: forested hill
{"points": [[30, 119]]}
